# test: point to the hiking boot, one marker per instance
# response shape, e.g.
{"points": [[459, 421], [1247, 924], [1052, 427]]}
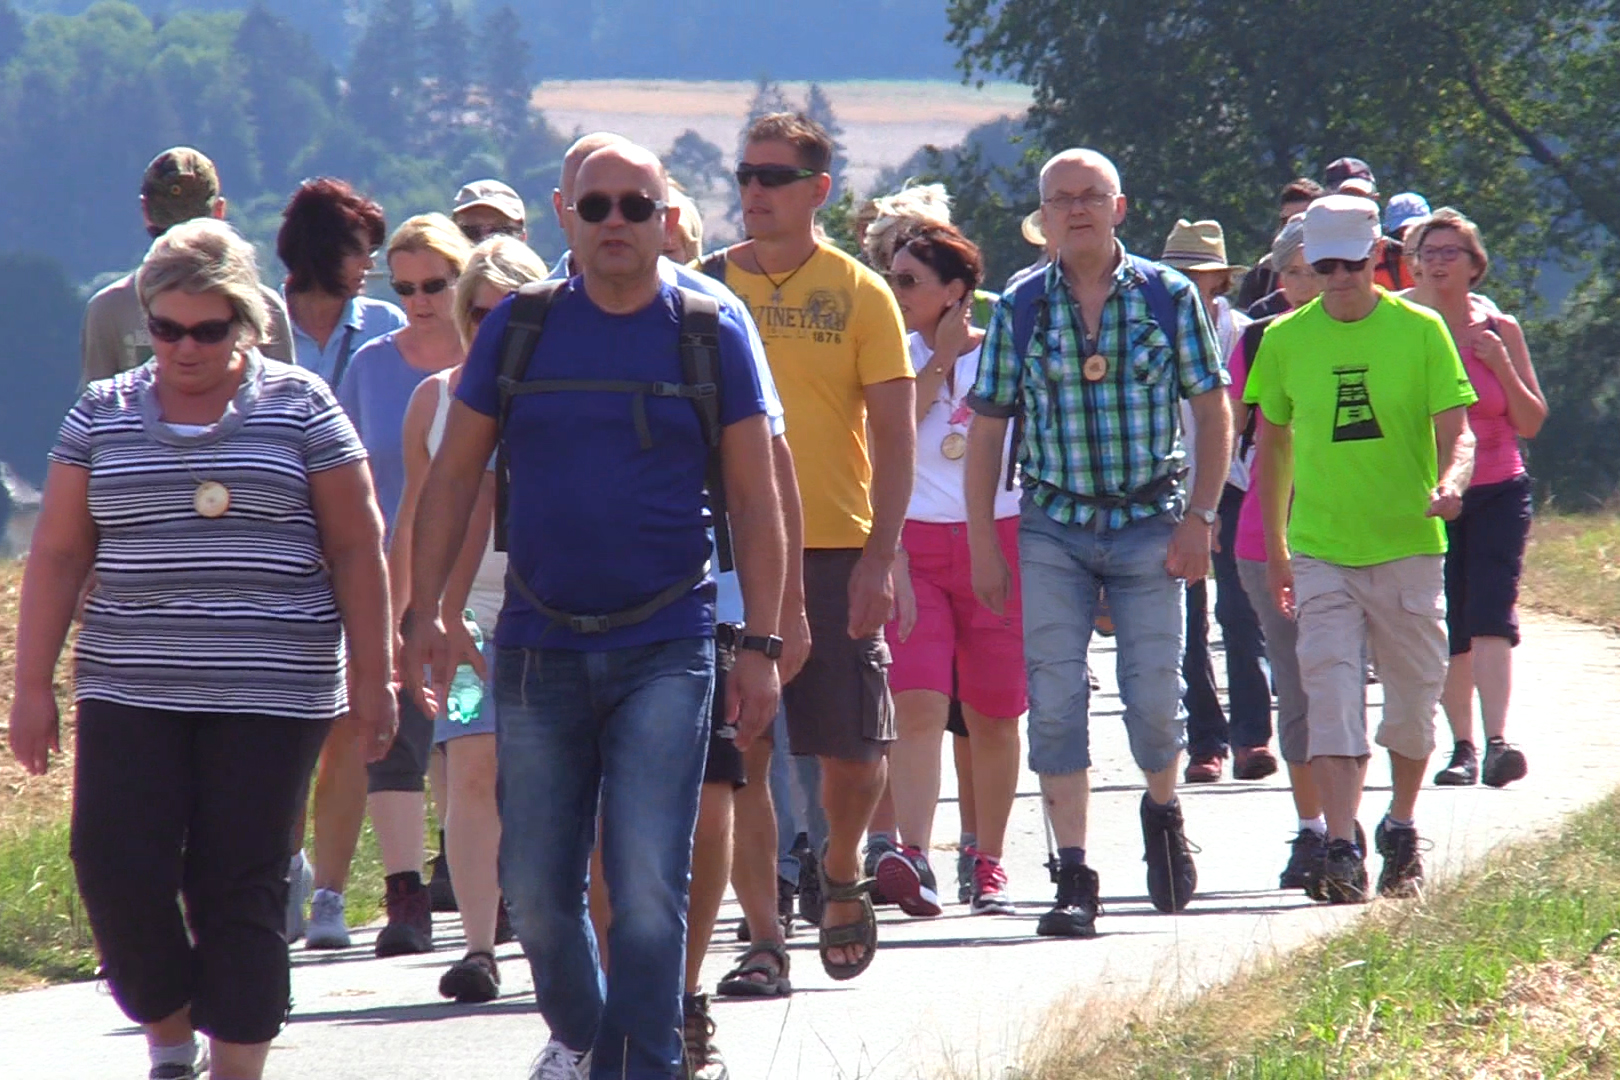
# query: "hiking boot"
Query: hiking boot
{"points": [[1309, 848], [703, 1060], [875, 849], [1343, 877], [1503, 764], [504, 933], [1463, 770], [1252, 763], [811, 905], [990, 887], [410, 917], [907, 879], [1171, 876], [328, 929], [966, 857], [1402, 875], [300, 883], [440, 891], [557, 1062], [1075, 912], [472, 979], [1203, 769]]}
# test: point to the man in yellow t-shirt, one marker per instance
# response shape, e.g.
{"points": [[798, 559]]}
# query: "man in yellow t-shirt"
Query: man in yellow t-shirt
{"points": [[836, 346], [1365, 401]]}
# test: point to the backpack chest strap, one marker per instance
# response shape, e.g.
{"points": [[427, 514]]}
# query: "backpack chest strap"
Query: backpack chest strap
{"points": [[638, 391]]}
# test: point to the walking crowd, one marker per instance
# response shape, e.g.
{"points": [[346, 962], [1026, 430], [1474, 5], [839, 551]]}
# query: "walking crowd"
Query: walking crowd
{"points": [[669, 571]]}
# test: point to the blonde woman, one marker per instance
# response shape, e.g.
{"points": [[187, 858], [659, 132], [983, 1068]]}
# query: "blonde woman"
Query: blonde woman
{"points": [[223, 502], [425, 258], [497, 267]]}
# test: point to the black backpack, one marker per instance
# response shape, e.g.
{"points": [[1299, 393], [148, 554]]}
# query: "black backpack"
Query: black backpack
{"points": [[700, 372]]}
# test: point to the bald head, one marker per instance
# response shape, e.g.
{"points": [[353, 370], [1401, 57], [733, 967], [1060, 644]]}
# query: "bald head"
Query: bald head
{"points": [[623, 166], [583, 147], [1075, 162]]}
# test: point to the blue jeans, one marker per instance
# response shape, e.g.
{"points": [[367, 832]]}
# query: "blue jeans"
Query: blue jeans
{"points": [[1063, 567], [625, 732], [796, 793], [1248, 688]]}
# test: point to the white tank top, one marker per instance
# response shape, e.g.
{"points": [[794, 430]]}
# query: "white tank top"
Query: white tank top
{"points": [[488, 591]]}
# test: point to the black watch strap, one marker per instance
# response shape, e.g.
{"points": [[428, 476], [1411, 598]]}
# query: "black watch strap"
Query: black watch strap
{"points": [[770, 645]]}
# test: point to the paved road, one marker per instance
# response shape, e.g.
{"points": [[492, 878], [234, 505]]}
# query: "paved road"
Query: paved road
{"points": [[969, 990]]}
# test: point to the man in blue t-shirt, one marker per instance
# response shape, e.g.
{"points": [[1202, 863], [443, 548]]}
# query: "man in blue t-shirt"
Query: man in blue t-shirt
{"points": [[607, 516]]}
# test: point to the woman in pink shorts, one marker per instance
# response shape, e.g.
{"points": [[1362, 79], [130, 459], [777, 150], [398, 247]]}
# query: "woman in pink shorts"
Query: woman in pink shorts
{"points": [[941, 630]]}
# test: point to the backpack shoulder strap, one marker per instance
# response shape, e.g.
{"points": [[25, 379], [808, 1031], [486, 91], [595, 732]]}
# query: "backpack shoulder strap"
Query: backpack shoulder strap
{"points": [[714, 265], [518, 342], [1159, 301], [1030, 316], [700, 368]]}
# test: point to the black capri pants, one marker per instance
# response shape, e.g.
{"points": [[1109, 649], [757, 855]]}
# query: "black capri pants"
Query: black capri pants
{"points": [[1484, 558], [199, 805]]}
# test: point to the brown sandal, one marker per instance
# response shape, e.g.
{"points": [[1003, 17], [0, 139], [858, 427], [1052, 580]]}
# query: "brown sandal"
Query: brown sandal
{"points": [[738, 981], [862, 933]]}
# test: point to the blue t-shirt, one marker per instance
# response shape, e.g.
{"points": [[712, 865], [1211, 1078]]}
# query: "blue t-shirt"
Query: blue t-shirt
{"points": [[375, 392], [364, 319], [597, 524]]}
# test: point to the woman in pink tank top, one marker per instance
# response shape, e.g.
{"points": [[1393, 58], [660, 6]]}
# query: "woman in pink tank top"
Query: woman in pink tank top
{"points": [[1485, 544]]}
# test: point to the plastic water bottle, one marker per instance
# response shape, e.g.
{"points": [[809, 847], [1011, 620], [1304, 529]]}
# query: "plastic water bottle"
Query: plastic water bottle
{"points": [[466, 688]]}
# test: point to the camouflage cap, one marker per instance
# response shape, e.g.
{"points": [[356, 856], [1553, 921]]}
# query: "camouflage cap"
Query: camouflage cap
{"points": [[179, 185]]}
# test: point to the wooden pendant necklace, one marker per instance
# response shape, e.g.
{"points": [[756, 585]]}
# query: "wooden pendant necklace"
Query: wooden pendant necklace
{"points": [[211, 498]]}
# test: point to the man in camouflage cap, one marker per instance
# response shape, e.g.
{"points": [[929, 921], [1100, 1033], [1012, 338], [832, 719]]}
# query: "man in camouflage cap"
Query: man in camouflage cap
{"points": [[179, 184]]}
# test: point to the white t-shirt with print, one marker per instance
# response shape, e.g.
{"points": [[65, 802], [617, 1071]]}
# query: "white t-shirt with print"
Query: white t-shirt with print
{"points": [[937, 496]]}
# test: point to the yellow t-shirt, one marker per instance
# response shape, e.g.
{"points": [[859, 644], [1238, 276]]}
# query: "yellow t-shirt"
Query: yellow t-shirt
{"points": [[831, 331]]}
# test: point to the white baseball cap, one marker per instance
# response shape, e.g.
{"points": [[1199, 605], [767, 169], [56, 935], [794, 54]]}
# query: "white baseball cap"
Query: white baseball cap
{"points": [[1341, 227]]}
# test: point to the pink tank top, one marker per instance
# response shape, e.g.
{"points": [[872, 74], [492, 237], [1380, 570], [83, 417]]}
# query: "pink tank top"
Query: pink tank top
{"points": [[1496, 444]]}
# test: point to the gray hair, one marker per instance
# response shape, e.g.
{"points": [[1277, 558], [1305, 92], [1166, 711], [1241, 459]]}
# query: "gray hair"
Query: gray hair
{"points": [[1288, 244], [1082, 156], [505, 262], [913, 204], [205, 255]]}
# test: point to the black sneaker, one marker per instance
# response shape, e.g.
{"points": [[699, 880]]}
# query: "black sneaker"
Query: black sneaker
{"points": [[1313, 879], [1503, 764], [173, 1071], [1463, 770], [440, 890], [872, 853], [906, 877], [410, 917], [1402, 875], [703, 1060], [1171, 876], [1309, 848], [811, 905], [472, 979], [1343, 877], [1075, 913], [786, 894]]}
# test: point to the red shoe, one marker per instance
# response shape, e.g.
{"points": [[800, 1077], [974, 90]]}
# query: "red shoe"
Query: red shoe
{"points": [[1204, 769], [1252, 763], [906, 878]]}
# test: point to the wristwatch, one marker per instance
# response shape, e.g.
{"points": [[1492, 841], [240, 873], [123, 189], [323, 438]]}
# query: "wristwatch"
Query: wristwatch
{"points": [[1208, 516], [770, 645]]}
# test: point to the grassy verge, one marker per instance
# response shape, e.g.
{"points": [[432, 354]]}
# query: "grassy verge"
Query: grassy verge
{"points": [[1507, 972], [1573, 567]]}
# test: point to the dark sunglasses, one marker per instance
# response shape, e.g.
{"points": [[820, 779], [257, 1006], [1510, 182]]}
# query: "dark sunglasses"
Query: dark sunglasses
{"points": [[479, 233], [207, 332], [772, 176], [476, 314], [430, 287], [636, 208], [902, 280], [1325, 267]]}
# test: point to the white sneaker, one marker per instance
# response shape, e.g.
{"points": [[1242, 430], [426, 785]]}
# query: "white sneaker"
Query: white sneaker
{"points": [[557, 1062], [327, 928], [300, 880]]}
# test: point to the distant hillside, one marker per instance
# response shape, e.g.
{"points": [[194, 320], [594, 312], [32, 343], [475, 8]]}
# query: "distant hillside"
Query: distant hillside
{"points": [[653, 39]]}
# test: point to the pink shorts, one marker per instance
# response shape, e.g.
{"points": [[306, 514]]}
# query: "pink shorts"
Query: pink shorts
{"points": [[957, 639]]}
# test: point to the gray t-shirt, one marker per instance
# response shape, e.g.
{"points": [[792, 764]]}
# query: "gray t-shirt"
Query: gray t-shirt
{"points": [[114, 336]]}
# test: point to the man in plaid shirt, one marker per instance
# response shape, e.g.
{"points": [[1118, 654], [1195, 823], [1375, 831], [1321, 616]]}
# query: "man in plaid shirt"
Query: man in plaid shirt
{"points": [[1103, 464]]}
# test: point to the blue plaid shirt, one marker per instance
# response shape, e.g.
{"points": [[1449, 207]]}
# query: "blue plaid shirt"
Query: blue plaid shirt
{"points": [[1109, 438]]}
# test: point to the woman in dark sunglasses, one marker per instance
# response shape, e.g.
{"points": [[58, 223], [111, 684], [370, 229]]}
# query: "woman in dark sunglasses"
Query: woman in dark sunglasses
{"points": [[222, 501], [425, 257]]}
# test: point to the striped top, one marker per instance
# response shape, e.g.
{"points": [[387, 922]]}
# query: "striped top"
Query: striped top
{"points": [[1109, 437], [192, 614]]}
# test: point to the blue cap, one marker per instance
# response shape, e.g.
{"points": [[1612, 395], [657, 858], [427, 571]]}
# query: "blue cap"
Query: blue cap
{"points": [[1403, 209]]}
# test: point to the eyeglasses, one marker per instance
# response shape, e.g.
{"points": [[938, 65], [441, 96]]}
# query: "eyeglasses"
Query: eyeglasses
{"points": [[902, 280], [772, 176], [430, 287], [476, 314], [1091, 200], [1442, 253], [207, 332], [478, 233], [636, 207], [1325, 267]]}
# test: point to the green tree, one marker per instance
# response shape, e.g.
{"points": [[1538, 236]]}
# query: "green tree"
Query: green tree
{"points": [[12, 32], [506, 82], [698, 165], [449, 47], [385, 76], [291, 91], [39, 357], [819, 109]]}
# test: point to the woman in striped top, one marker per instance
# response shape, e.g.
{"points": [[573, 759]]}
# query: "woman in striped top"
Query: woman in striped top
{"points": [[223, 501]]}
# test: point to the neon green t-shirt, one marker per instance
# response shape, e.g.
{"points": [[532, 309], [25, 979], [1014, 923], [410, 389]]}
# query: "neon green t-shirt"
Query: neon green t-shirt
{"points": [[1360, 398]]}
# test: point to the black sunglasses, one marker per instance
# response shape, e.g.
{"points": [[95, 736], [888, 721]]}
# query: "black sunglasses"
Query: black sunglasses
{"points": [[207, 332], [476, 314], [479, 233], [636, 207], [902, 280], [1325, 267], [772, 176], [430, 287]]}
